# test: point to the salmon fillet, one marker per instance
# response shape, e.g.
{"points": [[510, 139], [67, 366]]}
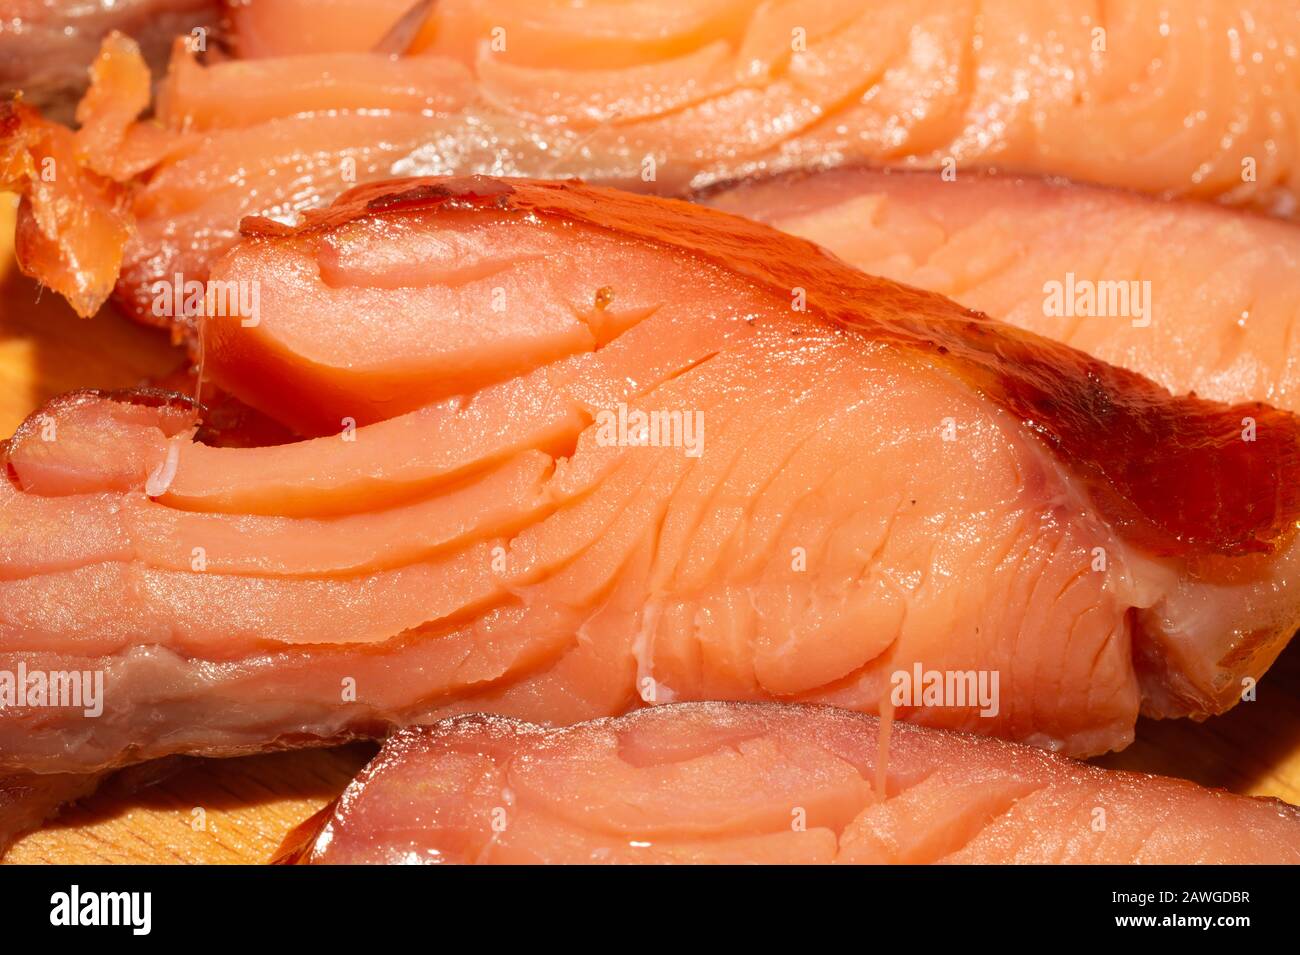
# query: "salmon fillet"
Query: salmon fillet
{"points": [[1195, 98], [1206, 295], [838, 482], [771, 784], [1173, 97]]}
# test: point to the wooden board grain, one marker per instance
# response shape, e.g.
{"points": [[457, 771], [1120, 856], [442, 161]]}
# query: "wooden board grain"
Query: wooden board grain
{"points": [[238, 810], [207, 811]]}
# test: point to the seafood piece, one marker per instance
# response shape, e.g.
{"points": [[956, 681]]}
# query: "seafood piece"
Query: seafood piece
{"points": [[580, 450], [1199, 98], [1196, 297], [774, 784]]}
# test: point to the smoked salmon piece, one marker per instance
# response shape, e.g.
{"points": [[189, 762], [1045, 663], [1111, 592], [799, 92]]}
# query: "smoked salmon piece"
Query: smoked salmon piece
{"points": [[75, 217], [1189, 98], [289, 27], [1181, 98], [73, 223], [29, 800], [1194, 98], [579, 450], [772, 784], [1198, 298]]}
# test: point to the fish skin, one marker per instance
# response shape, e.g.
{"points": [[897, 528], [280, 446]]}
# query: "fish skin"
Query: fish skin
{"points": [[1221, 318], [1183, 96], [711, 783], [547, 574]]}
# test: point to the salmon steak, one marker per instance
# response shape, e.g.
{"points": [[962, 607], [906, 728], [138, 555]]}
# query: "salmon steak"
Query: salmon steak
{"points": [[574, 451], [1195, 297], [1197, 98], [717, 783]]}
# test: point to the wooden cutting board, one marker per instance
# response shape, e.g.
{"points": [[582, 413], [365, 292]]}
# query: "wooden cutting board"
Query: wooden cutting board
{"points": [[238, 810]]}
